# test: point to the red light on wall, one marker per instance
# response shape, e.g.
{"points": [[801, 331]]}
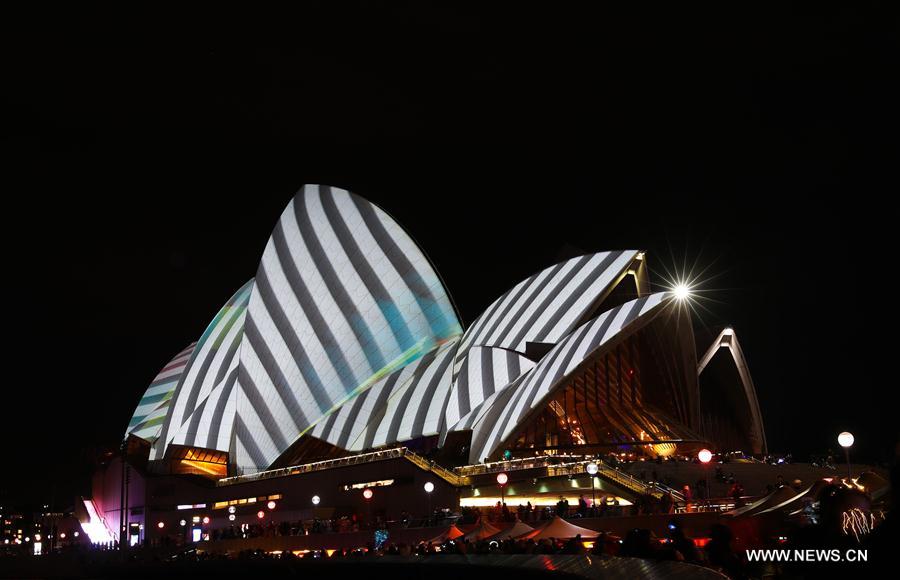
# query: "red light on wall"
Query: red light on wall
{"points": [[260, 514], [367, 493]]}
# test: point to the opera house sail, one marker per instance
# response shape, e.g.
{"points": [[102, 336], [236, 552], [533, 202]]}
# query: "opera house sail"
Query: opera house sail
{"points": [[346, 341]]}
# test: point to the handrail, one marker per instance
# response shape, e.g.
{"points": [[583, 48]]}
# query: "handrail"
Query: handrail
{"points": [[382, 455], [443, 473], [557, 465], [462, 476]]}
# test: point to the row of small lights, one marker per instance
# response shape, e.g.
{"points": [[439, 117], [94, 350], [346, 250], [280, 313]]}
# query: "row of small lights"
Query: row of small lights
{"points": [[231, 514], [367, 494], [37, 537], [845, 439]]}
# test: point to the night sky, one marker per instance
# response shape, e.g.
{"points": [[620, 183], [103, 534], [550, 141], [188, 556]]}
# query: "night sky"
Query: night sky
{"points": [[146, 163]]}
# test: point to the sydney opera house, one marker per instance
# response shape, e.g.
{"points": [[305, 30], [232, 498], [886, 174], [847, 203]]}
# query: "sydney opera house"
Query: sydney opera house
{"points": [[343, 366]]}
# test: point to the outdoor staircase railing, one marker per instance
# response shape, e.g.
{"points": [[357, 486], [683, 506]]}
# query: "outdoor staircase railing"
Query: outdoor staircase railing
{"points": [[394, 453], [554, 465], [443, 473]]}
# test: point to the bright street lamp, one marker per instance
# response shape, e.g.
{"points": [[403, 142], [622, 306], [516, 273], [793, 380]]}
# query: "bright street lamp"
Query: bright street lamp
{"points": [[502, 478], [316, 499], [845, 440], [367, 495], [682, 291], [429, 487], [592, 469], [705, 456]]}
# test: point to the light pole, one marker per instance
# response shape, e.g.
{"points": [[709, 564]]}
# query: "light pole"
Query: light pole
{"points": [[705, 456], [502, 478], [592, 469], [367, 495], [429, 487], [846, 441]]}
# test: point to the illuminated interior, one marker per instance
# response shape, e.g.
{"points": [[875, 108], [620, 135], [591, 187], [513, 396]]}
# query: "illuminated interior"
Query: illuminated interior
{"points": [[197, 461], [625, 395]]}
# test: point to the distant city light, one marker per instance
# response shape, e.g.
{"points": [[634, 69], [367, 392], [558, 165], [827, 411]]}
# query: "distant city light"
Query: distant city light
{"points": [[161, 525], [182, 523]]}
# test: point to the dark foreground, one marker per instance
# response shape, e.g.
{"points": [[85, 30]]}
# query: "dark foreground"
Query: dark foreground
{"points": [[521, 567]]}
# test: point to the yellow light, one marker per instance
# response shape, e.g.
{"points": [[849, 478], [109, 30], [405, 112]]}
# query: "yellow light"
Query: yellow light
{"points": [[209, 468], [548, 500], [664, 449]]}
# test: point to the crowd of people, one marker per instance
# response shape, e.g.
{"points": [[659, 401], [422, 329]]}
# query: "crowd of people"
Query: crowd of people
{"points": [[718, 553], [291, 528]]}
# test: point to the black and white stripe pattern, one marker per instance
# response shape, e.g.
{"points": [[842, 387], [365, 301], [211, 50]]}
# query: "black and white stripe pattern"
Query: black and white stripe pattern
{"points": [[343, 298], [546, 306], [209, 372], [408, 403], [501, 415], [483, 372]]}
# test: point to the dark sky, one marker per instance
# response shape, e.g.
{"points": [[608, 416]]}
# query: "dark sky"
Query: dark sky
{"points": [[147, 161]]}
